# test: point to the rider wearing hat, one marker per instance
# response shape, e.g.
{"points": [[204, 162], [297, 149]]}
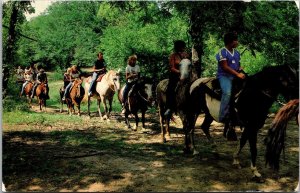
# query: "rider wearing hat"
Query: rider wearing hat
{"points": [[28, 76], [40, 78]]}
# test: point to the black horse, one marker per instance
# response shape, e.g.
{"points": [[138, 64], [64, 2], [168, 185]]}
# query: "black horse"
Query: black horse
{"points": [[139, 98], [252, 105]]}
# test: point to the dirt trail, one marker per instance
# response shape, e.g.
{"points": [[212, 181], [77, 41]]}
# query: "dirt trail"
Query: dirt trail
{"points": [[106, 156]]}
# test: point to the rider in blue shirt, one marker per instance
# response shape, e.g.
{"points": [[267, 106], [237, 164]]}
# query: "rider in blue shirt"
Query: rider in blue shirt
{"points": [[228, 67]]}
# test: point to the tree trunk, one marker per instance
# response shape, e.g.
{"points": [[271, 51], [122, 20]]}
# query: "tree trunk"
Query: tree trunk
{"points": [[8, 55]]}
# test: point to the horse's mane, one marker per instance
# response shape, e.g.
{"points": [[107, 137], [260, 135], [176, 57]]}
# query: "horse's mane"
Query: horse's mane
{"points": [[267, 76], [108, 74]]}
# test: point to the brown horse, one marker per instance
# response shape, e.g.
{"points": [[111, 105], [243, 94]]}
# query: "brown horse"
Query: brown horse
{"points": [[187, 75], [27, 91], [105, 90], [276, 134], [75, 97], [139, 98], [42, 93]]}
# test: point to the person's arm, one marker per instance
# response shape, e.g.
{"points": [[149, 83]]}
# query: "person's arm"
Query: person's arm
{"points": [[172, 63], [226, 68]]}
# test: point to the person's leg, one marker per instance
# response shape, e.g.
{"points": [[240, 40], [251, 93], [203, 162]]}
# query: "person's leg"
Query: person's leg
{"points": [[67, 90], [23, 87], [226, 87], [94, 78], [170, 96], [33, 90]]}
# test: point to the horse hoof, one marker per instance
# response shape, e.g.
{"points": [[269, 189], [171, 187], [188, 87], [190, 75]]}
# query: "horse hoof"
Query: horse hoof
{"points": [[257, 179], [164, 140]]}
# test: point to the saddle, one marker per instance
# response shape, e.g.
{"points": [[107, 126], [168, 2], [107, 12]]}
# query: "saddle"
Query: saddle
{"points": [[215, 91], [89, 79]]}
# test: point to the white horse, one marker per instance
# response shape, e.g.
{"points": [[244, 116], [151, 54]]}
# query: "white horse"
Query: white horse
{"points": [[105, 90]]}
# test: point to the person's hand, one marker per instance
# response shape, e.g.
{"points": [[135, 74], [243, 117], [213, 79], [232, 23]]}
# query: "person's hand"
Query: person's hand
{"points": [[241, 75]]}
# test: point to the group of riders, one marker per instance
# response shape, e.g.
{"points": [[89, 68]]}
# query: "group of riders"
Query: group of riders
{"points": [[229, 67], [34, 75]]}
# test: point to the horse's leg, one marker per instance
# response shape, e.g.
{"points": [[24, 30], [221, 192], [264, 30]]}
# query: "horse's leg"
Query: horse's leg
{"points": [[78, 108], [240, 146], [103, 99], [143, 119], [126, 120], [205, 126], [110, 107], [99, 110], [136, 121], [253, 149], [40, 103], [89, 103]]}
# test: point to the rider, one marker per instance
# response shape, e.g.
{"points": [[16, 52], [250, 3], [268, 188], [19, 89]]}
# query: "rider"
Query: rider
{"points": [[228, 67], [74, 73], [98, 69], [41, 77], [28, 76], [67, 78], [132, 75], [174, 60], [20, 73]]}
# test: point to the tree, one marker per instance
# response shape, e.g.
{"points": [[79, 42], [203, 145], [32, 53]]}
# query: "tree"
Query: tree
{"points": [[13, 17]]}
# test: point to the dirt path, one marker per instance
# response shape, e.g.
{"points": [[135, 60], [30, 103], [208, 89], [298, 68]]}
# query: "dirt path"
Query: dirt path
{"points": [[98, 156]]}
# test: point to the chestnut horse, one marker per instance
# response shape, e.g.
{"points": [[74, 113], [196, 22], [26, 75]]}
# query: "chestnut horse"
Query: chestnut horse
{"points": [[276, 134], [105, 90], [75, 96], [41, 93], [27, 91]]}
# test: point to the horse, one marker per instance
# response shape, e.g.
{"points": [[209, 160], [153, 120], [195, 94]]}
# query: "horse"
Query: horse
{"points": [[28, 90], [41, 93], [75, 96], [254, 100], [188, 75], [276, 134], [105, 90], [139, 98]]}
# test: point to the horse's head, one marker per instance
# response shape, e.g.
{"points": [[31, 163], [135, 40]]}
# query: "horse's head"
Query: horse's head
{"points": [[145, 86], [185, 67], [289, 82], [113, 79]]}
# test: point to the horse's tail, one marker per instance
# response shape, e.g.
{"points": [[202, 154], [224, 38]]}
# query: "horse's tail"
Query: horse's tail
{"points": [[276, 134]]}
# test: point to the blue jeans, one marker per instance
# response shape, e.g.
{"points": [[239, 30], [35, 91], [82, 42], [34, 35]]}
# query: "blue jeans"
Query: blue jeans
{"points": [[127, 88], [67, 89], [226, 87], [94, 78]]}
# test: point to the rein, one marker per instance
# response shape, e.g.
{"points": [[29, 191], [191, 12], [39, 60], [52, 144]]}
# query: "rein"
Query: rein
{"points": [[142, 97], [273, 98]]}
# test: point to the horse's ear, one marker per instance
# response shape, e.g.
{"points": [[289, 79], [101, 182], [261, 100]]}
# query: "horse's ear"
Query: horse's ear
{"points": [[119, 71], [292, 69]]}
